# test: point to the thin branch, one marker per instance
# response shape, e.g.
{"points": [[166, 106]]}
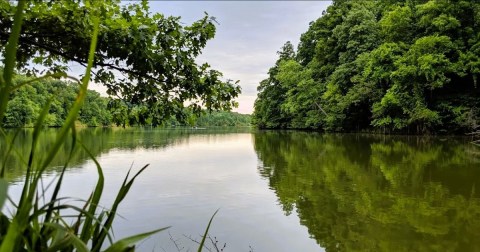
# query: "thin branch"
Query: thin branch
{"points": [[197, 242], [175, 243], [54, 51], [320, 108], [215, 242]]}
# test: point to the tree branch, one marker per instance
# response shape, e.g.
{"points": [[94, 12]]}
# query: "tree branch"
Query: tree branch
{"points": [[51, 50], [320, 108]]}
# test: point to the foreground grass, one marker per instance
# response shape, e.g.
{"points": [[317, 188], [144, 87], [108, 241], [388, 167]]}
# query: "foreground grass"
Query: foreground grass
{"points": [[36, 224]]}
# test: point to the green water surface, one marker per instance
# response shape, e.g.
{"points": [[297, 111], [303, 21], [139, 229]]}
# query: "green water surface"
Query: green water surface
{"points": [[280, 191]]}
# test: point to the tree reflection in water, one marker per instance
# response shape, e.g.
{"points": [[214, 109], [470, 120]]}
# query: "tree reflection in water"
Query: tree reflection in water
{"points": [[97, 141], [376, 193]]}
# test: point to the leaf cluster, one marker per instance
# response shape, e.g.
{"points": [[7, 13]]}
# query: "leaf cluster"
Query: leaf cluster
{"points": [[26, 102], [142, 58], [37, 224], [389, 66]]}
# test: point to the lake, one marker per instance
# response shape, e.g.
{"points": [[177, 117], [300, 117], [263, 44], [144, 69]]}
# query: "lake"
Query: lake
{"points": [[280, 190]]}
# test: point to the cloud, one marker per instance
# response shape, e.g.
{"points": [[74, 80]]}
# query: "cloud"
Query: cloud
{"points": [[248, 36]]}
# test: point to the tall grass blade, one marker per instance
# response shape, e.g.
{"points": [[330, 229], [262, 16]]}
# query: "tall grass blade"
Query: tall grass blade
{"points": [[86, 233], [64, 240], [8, 152], [14, 230], [29, 189], [59, 239], [127, 184], [69, 123], [200, 247], [98, 227], [10, 240], [77, 105], [62, 173], [38, 225], [3, 191], [36, 133], [125, 243], [79, 245], [10, 58], [45, 232]]}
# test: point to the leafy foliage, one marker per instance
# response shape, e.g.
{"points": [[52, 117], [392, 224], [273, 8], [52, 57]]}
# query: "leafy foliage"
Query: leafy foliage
{"points": [[123, 115], [26, 102], [222, 119], [271, 95], [37, 224], [391, 66], [142, 58]]}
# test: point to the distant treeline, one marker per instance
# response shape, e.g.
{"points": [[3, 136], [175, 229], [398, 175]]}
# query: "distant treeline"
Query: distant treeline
{"points": [[390, 66], [222, 119], [27, 102]]}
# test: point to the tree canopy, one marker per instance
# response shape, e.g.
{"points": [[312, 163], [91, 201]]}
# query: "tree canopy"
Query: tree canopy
{"points": [[27, 101], [390, 66], [142, 58]]}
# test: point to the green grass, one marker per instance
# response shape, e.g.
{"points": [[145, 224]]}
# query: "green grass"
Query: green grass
{"points": [[36, 224]]}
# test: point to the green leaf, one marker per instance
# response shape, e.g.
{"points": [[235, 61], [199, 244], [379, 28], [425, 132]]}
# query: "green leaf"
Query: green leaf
{"points": [[3, 191], [200, 247], [125, 243]]}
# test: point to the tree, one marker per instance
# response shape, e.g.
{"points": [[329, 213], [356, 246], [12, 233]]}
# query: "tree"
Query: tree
{"points": [[268, 105], [142, 58], [26, 102], [392, 66]]}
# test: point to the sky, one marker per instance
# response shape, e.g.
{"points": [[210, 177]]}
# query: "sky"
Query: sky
{"points": [[248, 36]]}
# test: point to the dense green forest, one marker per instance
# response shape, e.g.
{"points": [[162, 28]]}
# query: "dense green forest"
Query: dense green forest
{"points": [[154, 54], [224, 118], [26, 102], [387, 66], [127, 114]]}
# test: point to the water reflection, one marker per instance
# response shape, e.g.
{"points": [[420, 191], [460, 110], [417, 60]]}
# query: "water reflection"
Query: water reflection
{"points": [[352, 192], [97, 141], [376, 193], [192, 173]]}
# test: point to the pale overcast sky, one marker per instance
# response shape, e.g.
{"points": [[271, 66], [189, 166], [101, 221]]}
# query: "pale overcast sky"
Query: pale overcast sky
{"points": [[248, 35]]}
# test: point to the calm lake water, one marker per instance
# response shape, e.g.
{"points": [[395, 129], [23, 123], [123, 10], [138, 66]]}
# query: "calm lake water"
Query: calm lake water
{"points": [[282, 191]]}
